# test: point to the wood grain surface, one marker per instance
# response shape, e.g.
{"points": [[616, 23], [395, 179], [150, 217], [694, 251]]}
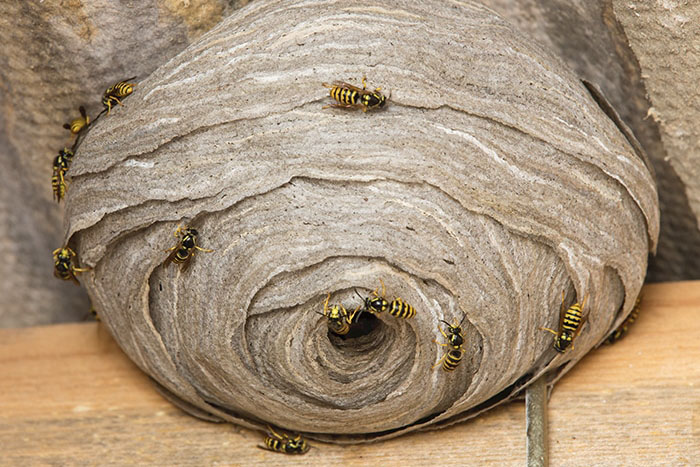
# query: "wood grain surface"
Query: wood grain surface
{"points": [[69, 396]]}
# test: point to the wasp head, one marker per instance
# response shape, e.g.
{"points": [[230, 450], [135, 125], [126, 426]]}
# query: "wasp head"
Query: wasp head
{"points": [[296, 446], [563, 341], [335, 313], [374, 100]]}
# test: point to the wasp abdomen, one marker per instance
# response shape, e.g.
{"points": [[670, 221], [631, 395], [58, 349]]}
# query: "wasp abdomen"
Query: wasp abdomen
{"points": [[400, 309], [344, 96], [116, 92], [452, 359]]}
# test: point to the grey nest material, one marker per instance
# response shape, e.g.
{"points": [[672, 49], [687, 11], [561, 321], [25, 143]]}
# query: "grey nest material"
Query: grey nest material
{"points": [[491, 183]]}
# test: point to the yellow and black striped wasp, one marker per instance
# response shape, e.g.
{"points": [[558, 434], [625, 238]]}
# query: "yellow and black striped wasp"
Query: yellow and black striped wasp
{"points": [[621, 331], [61, 163], [339, 320], [348, 96], [63, 265], [78, 124], [455, 340], [571, 322], [397, 307], [58, 185], [284, 443], [183, 252], [116, 92]]}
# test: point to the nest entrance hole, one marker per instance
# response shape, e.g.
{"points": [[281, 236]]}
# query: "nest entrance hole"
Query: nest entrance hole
{"points": [[363, 333]]}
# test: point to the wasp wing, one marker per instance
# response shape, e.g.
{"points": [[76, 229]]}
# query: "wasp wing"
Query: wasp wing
{"points": [[344, 85]]}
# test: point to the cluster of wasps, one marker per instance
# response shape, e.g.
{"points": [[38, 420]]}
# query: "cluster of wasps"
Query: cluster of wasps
{"points": [[340, 321], [78, 127], [65, 259]]}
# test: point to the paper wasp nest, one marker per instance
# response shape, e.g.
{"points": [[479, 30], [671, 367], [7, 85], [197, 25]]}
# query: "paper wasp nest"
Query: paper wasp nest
{"points": [[490, 183]]}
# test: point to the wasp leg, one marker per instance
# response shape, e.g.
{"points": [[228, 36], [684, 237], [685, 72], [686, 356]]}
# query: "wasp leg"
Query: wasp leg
{"points": [[364, 83], [343, 106], [383, 288], [561, 308], [550, 330], [325, 304], [206, 250], [443, 332], [584, 302], [351, 319]]}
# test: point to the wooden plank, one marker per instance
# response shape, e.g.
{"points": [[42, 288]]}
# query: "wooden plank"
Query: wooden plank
{"points": [[69, 396]]}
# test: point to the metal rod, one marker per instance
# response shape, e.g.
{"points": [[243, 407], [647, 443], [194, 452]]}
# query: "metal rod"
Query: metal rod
{"points": [[536, 416]]}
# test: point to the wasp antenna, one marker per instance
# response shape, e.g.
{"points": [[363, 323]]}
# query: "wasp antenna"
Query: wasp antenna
{"points": [[446, 322], [463, 318], [358, 294]]}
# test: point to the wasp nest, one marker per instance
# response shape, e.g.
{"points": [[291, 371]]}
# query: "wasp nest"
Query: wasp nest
{"points": [[490, 183]]}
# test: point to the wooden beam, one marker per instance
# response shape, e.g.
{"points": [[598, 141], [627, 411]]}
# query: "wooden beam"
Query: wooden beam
{"points": [[68, 395]]}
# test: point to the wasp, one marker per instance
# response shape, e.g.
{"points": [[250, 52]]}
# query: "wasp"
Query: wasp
{"points": [[183, 252], [455, 340], [116, 92], [339, 320], [61, 163], [283, 443], [63, 160], [621, 331], [379, 304], [79, 124], [570, 325], [348, 96], [63, 265], [58, 184]]}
